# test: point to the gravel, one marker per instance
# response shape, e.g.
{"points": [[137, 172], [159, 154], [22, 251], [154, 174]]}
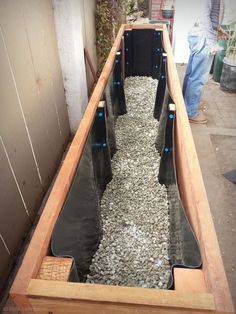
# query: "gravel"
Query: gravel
{"points": [[134, 207]]}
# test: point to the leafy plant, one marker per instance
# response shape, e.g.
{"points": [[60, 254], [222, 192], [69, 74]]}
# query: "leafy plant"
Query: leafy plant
{"points": [[143, 5], [130, 6], [110, 14], [103, 20], [231, 43]]}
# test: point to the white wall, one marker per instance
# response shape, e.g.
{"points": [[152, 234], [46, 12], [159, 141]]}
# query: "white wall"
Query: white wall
{"points": [[68, 23], [89, 36], [230, 11], [185, 14]]}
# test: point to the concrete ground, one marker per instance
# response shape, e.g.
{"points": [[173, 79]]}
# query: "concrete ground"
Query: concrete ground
{"points": [[216, 148]]}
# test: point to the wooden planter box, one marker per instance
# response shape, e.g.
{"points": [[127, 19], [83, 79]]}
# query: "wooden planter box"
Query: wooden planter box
{"points": [[41, 283]]}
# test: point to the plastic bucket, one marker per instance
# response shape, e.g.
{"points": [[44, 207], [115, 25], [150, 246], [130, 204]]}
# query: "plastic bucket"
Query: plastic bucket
{"points": [[218, 64]]}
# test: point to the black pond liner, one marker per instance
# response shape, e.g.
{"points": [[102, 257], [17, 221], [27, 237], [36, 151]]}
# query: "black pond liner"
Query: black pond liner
{"points": [[183, 250], [78, 231]]}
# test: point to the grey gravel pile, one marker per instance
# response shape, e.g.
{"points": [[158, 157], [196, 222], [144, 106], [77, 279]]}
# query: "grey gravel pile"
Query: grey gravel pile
{"points": [[135, 217]]}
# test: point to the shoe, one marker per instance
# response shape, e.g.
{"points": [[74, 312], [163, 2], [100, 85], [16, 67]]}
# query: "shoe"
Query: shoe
{"points": [[199, 118]]}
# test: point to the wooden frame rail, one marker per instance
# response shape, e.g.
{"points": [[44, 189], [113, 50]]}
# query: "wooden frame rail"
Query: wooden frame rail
{"points": [[208, 293]]}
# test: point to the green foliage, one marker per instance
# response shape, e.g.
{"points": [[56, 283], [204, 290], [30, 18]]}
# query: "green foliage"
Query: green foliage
{"points": [[231, 43], [103, 20], [143, 5], [109, 16], [119, 15], [130, 6]]}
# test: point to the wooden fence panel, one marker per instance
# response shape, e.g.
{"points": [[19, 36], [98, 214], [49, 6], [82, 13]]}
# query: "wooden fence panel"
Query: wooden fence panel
{"points": [[15, 135], [36, 32], [34, 124], [5, 260], [45, 7], [14, 220]]}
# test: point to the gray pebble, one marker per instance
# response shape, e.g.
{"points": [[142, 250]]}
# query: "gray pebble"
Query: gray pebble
{"points": [[134, 207]]}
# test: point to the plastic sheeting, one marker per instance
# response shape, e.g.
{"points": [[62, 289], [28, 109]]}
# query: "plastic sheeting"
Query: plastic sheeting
{"points": [[160, 139], [78, 229], [183, 249], [161, 87]]}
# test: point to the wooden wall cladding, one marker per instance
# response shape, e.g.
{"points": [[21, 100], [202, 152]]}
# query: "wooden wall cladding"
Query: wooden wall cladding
{"points": [[34, 125]]}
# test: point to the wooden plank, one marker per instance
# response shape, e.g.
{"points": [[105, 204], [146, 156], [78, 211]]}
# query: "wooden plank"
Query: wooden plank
{"points": [[17, 143], [36, 32], [189, 280], [194, 195], [51, 48], [11, 16], [78, 307], [144, 26], [23, 305], [87, 56], [55, 268], [40, 241], [5, 262], [13, 215], [120, 295]]}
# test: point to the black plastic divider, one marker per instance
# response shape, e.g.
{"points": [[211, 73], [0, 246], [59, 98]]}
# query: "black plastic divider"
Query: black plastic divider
{"points": [[166, 169], [183, 250], [100, 151], [118, 92], [157, 53], [160, 139], [142, 52], [161, 87], [143, 49], [78, 231], [110, 119], [128, 52]]}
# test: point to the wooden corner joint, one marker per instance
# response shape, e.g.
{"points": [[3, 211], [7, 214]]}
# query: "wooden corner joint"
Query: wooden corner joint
{"points": [[189, 280], [55, 268]]}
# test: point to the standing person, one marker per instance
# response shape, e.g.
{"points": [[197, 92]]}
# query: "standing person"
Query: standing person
{"points": [[203, 45]]}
